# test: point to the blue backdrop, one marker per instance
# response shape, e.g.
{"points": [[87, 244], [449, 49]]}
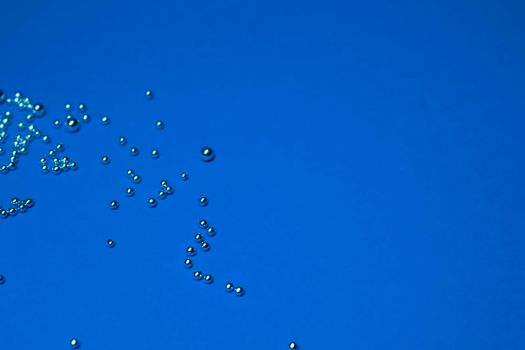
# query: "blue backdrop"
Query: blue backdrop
{"points": [[367, 190]]}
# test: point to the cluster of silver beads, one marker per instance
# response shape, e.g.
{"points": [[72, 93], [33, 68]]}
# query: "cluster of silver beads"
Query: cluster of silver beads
{"points": [[165, 190], [239, 291], [56, 163], [17, 206]]}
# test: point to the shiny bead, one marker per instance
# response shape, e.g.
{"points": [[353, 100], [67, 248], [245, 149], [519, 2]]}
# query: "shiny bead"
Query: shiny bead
{"points": [[3, 169], [191, 251], [15, 201], [164, 183], [137, 179], [208, 279], [12, 211], [197, 275], [293, 345], [169, 190], [38, 110], [207, 154], [199, 237], [130, 173], [45, 168], [203, 224], [148, 94], [21, 208], [110, 243], [60, 147], [11, 166], [46, 139], [3, 213], [184, 176], [203, 201], [82, 107], [57, 123], [2, 279], [130, 192], [72, 165], [72, 125], [86, 118], [104, 120], [159, 124], [21, 126], [152, 203], [29, 203], [188, 263], [205, 246], [105, 160], [68, 107], [211, 231], [229, 287], [239, 291], [122, 141], [56, 170], [75, 344], [134, 151], [113, 205], [162, 194], [155, 153]]}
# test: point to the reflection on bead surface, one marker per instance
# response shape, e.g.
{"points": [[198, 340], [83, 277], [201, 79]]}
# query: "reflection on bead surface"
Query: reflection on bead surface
{"points": [[57, 123], [45, 169], [164, 183], [104, 120], [46, 139], [82, 107], [130, 192], [86, 118], [12, 211], [184, 176], [211, 231], [169, 190], [207, 154], [229, 287], [137, 179], [239, 291], [134, 151], [155, 153], [159, 124], [162, 194], [113, 205], [75, 344], [203, 224], [21, 126], [152, 202], [148, 94], [60, 147], [197, 275], [3, 213], [203, 201], [191, 251], [122, 141], [188, 263], [110, 243], [293, 345], [105, 160], [205, 246], [208, 279], [72, 125], [38, 110], [68, 107], [199, 237]]}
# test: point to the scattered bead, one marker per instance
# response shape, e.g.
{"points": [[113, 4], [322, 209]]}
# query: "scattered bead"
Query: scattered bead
{"points": [[211, 231], [110, 243], [197, 275], [208, 279], [159, 124], [203, 224], [68, 107], [82, 107], [191, 251], [46, 139], [104, 120], [86, 118], [134, 151], [188, 263], [205, 246], [184, 176], [122, 141], [152, 203], [239, 291], [137, 179], [38, 110], [130, 192], [155, 153], [199, 237], [113, 205], [60, 147], [229, 287], [162, 194], [75, 344], [149, 95], [169, 190], [105, 160], [72, 125], [293, 345], [207, 154], [57, 123], [164, 183], [203, 201]]}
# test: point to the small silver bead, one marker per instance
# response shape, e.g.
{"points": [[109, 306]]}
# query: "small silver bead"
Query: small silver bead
{"points": [[197, 275], [208, 279], [130, 192], [113, 205], [86, 118], [57, 123], [60, 147], [38, 110], [152, 203], [105, 160], [164, 183], [199, 237], [75, 344], [110, 243], [12, 211], [162, 194], [30, 203], [293, 345], [72, 125], [148, 94], [68, 107], [203, 201], [137, 179], [3, 213], [155, 153], [203, 224], [2, 151], [45, 168], [82, 107], [21, 126], [229, 287], [159, 124], [184, 176], [211, 231], [72, 165], [46, 139], [239, 291], [191, 251], [134, 151], [207, 154], [105, 120], [205, 246], [188, 263], [122, 141], [130, 173], [169, 190]]}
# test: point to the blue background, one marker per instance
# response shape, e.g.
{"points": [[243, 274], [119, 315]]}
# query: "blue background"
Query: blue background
{"points": [[367, 191]]}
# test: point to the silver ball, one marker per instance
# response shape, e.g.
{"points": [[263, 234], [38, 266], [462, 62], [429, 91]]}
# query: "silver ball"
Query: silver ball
{"points": [[239, 291], [60, 147], [72, 165], [12, 211], [3, 213], [2, 151], [162, 194], [152, 203], [208, 279], [229, 287], [75, 344], [86, 118], [184, 176], [104, 120], [21, 126], [203, 224], [197, 275], [155, 153], [169, 190], [82, 107], [211, 231], [191, 251], [293, 345], [122, 141], [188, 263], [130, 192], [134, 151], [57, 123], [110, 243], [38, 110], [30, 203], [203, 201], [130, 173], [199, 237], [72, 125], [159, 124], [45, 168], [113, 205], [164, 183], [105, 160], [68, 107], [137, 179], [46, 139], [207, 154], [148, 94], [205, 246]]}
